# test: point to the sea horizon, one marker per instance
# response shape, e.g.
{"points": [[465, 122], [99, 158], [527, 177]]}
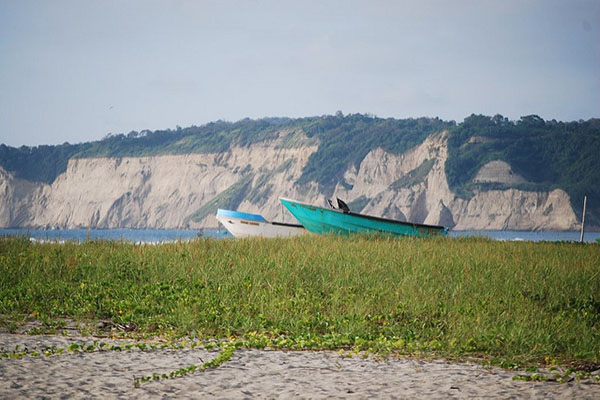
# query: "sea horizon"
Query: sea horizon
{"points": [[172, 235]]}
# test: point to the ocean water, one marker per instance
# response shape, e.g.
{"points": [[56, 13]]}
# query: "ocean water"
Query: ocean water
{"points": [[128, 235], [532, 236], [172, 235]]}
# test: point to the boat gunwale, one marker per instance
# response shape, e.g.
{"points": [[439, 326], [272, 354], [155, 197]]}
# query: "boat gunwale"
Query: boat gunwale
{"points": [[286, 224], [394, 221]]}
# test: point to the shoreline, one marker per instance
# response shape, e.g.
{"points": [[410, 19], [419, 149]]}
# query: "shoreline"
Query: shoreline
{"points": [[161, 236]]}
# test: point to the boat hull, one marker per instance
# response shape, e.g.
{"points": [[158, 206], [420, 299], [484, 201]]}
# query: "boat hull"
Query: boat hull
{"points": [[248, 225], [324, 220]]}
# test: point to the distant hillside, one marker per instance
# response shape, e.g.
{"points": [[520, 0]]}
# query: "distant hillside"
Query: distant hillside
{"points": [[547, 154]]}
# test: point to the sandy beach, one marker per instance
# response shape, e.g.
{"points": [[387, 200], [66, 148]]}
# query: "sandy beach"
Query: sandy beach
{"points": [[255, 374]]}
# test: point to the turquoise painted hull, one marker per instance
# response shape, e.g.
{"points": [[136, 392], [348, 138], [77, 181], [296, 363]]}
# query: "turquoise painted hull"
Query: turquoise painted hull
{"points": [[325, 220]]}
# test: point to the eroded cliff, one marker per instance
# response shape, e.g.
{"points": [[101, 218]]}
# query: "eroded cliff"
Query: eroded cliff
{"points": [[413, 187], [183, 191]]}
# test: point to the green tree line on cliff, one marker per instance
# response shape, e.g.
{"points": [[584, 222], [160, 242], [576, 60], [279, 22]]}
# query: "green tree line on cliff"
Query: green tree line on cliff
{"points": [[548, 154], [39, 163]]}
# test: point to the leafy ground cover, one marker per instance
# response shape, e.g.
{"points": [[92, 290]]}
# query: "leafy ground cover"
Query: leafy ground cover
{"points": [[517, 302]]}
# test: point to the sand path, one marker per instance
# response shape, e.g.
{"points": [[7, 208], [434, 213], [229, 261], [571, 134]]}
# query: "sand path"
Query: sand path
{"points": [[256, 374]]}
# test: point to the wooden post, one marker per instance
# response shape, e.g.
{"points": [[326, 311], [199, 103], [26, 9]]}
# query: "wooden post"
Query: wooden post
{"points": [[583, 218]]}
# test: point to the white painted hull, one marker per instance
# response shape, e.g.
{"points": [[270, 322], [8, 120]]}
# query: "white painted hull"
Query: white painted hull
{"points": [[239, 227]]}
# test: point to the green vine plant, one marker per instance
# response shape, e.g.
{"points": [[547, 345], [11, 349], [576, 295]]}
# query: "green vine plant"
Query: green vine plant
{"points": [[225, 355]]}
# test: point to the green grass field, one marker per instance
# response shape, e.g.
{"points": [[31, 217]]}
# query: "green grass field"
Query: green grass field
{"points": [[520, 301]]}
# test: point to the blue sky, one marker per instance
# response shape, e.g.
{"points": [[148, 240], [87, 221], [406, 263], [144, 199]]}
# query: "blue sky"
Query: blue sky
{"points": [[77, 70]]}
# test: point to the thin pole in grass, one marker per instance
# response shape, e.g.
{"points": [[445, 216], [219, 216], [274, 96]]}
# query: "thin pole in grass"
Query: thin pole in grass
{"points": [[583, 219]]}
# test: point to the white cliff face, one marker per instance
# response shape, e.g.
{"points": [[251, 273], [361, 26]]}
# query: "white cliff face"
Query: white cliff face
{"points": [[409, 187], [19, 200], [153, 192], [516, 210], [498, 172], [156, 192], [180, 191], [428, 199]]}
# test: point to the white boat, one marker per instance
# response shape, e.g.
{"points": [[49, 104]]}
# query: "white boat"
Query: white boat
{"points": [[241, 224]]}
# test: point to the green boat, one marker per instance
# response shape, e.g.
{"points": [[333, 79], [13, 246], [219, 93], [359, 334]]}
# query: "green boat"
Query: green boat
{"points": [[342, 221]]}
